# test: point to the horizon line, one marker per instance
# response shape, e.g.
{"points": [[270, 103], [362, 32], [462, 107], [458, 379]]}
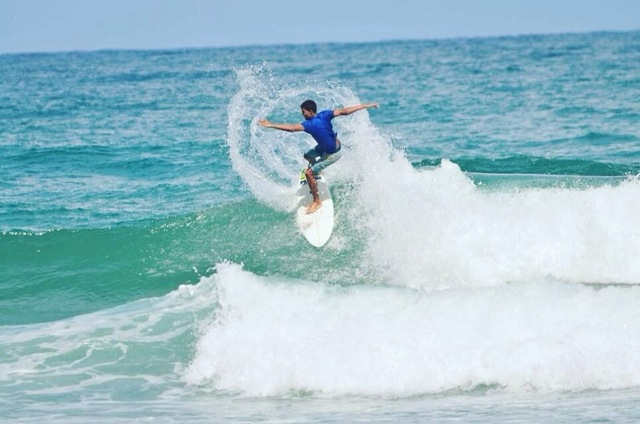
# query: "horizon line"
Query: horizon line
{"points": [[310, 43]]}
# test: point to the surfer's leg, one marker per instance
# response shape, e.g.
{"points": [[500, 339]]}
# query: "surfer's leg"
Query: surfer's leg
{"points": [[313, 186], [311, 174]]}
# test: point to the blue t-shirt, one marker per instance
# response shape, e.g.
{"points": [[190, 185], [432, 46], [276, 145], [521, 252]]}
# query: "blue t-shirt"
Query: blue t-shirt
{"points": [[322, 132]]}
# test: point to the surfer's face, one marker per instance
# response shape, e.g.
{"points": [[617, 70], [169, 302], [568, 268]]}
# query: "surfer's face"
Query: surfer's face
{"points": [[307, 114]]}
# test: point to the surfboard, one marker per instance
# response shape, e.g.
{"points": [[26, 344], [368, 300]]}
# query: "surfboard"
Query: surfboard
{"points": [[316, 227]]}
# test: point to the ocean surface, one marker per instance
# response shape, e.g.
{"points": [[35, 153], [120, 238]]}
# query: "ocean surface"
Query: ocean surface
{"points": [[484, 265]]}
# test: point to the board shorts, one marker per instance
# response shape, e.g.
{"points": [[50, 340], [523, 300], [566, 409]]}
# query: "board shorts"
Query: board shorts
{"points": [[325, 159]]}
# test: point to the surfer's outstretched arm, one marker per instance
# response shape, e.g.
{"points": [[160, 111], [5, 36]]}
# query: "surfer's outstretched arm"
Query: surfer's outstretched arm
{"points": [[281, 127], [349, 110]]}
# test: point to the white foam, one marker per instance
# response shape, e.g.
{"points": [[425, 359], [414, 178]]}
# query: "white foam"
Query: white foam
{"points": [[275, 337]]}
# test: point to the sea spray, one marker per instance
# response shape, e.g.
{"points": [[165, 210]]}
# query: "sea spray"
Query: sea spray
{"points": [[433, 228], [269, 161], [436, 229]]}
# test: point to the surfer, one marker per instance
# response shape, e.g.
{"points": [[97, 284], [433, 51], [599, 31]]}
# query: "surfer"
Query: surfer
{"points": [[327, 150]]}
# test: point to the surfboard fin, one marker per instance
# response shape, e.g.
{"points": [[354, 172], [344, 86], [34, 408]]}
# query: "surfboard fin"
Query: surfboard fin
{"points": [[303, 177]]}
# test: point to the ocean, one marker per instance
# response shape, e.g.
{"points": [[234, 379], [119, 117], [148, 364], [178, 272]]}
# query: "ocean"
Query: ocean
{"points": [[483, 265]]}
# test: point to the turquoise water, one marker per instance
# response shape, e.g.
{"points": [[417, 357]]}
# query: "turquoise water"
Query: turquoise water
{"points": [[483, 265]]}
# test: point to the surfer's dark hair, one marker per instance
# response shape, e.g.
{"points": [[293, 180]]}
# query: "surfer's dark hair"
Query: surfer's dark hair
{"points": [[309, 105]]}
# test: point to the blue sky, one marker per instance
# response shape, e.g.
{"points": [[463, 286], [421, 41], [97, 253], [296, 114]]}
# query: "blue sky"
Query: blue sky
{"points": [[63, 25]]}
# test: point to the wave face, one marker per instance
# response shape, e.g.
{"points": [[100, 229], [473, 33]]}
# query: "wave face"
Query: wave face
{"points": [[483, 256]]}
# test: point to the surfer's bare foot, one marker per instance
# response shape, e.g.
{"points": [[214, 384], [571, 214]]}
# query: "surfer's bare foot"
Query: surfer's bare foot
{"points": [[314, 206]]}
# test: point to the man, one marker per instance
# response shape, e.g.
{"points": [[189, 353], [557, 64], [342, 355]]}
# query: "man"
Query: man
{"points": [[327, 150]]}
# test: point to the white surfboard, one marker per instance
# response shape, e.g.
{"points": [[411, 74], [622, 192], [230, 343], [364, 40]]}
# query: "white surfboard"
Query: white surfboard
{"points": [[316, 227]]}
